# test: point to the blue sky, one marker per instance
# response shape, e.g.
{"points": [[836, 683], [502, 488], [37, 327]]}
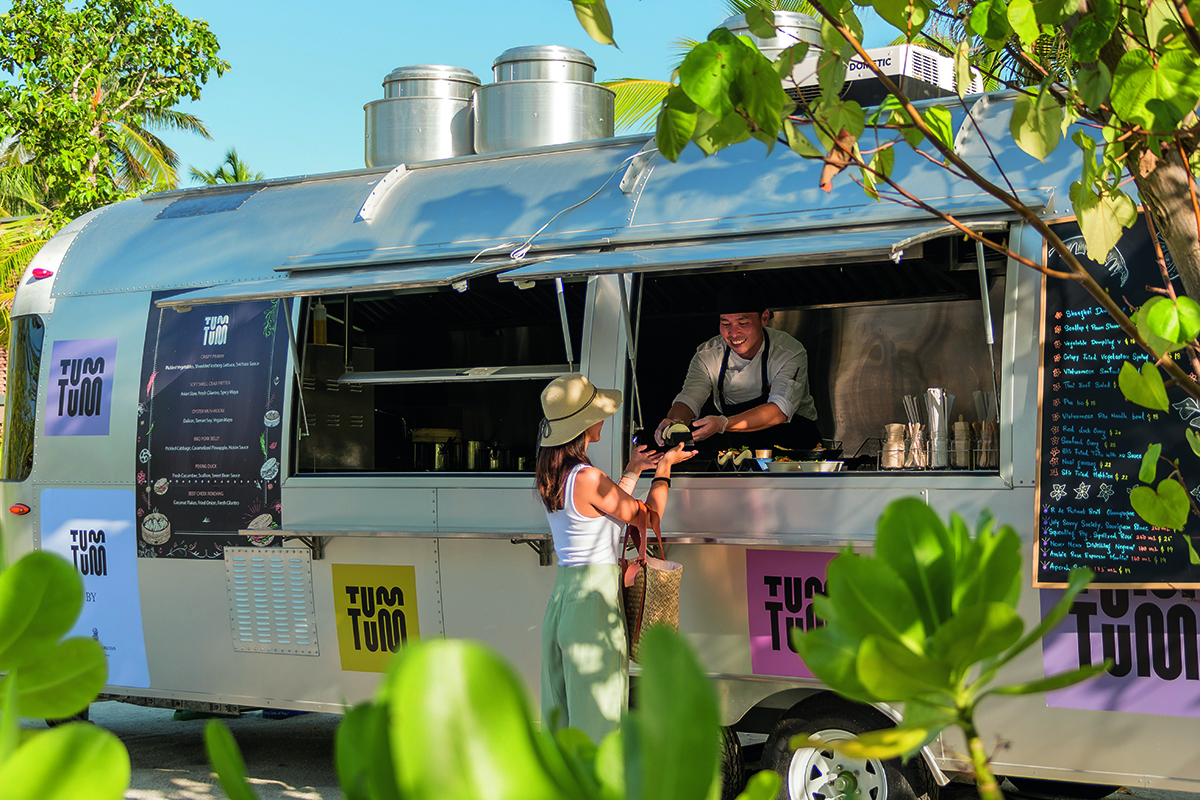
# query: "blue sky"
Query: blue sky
{"points": [[301, 72]]}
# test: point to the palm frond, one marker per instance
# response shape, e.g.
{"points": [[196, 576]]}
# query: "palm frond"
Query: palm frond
{"points": [[176, 120], [637, 102], [742, 6], [21, 190], [144, 159]]}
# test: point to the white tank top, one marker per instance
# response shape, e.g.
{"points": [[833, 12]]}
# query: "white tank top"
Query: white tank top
{"points": [[580, 540]]}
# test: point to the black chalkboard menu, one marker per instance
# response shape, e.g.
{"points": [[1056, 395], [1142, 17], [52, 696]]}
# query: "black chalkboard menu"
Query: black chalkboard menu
{"points": [[1091, 439], [209, 433]]}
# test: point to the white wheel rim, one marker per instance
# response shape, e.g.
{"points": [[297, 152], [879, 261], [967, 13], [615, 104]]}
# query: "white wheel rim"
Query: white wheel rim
{"points": [[823, 774]]}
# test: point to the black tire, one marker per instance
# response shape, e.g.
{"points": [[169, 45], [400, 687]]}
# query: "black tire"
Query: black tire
{"points": [[1075, 791], [733, 767], [813, 771], [82, 716]]}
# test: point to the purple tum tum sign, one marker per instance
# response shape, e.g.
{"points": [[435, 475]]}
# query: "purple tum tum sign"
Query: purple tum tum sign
{"points": [[80, 387]]}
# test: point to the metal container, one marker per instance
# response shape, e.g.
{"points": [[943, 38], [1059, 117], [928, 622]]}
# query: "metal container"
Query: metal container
{"points": [[425, 115], [792, 28], [436, 449], [544, 63], [542, 96]]}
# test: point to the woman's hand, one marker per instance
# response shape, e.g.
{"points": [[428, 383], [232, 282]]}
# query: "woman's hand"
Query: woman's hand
{"points": [[677, 454], [642, 459]]}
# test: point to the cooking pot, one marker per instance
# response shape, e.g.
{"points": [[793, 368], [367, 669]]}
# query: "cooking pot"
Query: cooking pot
{"points": [[498, 460], [436, 449]]}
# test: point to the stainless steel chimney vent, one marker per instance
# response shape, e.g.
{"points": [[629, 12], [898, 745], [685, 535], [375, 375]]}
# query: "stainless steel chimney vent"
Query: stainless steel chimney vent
{"points": [[425, 114], [792, 28], [543, 95]]}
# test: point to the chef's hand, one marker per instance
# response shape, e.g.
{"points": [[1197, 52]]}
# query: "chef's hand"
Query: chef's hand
{"points": [[705, 427], [662, 426], [642, 459]]}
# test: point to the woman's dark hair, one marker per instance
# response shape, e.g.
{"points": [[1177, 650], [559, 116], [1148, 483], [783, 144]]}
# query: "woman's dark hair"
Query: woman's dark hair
{"points": [[553, 466]]}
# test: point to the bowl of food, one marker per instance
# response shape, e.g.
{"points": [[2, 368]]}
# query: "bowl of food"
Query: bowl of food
{"points": [[156, 528], [783, 465], [820, 466]]}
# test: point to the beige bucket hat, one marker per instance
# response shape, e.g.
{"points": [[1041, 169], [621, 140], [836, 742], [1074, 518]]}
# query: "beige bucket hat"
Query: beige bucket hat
{"points": [[572, 405]]}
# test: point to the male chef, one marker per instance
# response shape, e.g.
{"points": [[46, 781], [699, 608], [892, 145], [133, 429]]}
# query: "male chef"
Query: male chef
{"points": [[756, 377]]}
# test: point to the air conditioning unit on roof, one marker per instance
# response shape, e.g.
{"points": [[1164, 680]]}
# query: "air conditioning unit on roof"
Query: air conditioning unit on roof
{"points": [[920, 73]]}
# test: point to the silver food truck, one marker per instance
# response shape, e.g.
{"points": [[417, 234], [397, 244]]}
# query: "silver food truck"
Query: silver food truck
{"points": [[283, 427]]}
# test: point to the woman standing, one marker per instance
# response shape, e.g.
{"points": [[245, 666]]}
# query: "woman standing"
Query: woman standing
{"points": [[585, 666]]}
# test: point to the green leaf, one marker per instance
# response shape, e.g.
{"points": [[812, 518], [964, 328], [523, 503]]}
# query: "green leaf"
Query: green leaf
{"points": [[1176, 321], [763, 785], [800, 143], [899, 742], [906, 16], [761, 22], [893, 673], [676, 123], [1166, 508], [1145, 388], [831, 653], [363, 755], [1102, 217], [1053, 12], [976, 633], [594, 17], [721, 133], [962, 66], [989, 19], [1142, 78], [579, 753], [1094, 30], [878, 169], [68, 762], [912, 541], [1036, 123], [762, 95], [678, 725], [1141, 318], [227, 761], [789, 58], [831, 76], [1094, 85], [838, 116], [709, 71], [939, 121], [1193, 440], [871, 598], [1060, 681], [460, 725], [1149, 468], [1193, 556], [64, 681], [610, 766], [40, 598], [990, 570], [1023, 21]]}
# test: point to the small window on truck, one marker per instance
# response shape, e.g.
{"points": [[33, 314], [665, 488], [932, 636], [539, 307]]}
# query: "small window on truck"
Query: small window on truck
{"points": [[24, 364], [431, 380]]}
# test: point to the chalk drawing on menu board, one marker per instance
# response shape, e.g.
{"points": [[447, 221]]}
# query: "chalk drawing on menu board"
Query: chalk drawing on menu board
{"points": [[1091, 439]]}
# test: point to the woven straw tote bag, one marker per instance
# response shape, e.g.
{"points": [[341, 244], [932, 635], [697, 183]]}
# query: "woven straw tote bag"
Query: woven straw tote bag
{"points": [[650, 585]]}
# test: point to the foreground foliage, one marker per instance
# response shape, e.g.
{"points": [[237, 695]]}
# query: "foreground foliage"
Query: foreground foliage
{"points": [[451, 721], [929, 621], [40, 599]]}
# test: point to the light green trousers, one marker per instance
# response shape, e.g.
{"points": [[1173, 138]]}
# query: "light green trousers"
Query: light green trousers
{"points": [[585, 666]]}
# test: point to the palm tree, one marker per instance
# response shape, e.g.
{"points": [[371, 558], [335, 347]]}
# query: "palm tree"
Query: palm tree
{"points": [[231, 170], [638, 99], [24, 222], [145, 161]]}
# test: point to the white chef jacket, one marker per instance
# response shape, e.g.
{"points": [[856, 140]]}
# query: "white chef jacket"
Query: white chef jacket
{"points": [[787, 370]]}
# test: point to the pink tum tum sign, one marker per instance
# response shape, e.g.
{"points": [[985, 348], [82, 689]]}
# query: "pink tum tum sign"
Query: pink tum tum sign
{"points": [[780, 585]]}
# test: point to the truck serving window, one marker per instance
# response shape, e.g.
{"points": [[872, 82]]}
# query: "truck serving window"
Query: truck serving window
{"points": [[24, 363], [434, 380], [874, 333]]}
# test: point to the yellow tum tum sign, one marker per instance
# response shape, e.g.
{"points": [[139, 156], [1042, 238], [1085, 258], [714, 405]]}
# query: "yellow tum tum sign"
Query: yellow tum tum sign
{"points": [[376, 610]]}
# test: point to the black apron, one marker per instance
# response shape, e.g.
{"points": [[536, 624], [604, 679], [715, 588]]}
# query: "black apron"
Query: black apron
{"points": [[800, 433]]}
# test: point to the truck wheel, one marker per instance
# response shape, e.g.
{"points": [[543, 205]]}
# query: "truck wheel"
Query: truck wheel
{"points": [[1076, 791], [733, 768], [812, 773]]}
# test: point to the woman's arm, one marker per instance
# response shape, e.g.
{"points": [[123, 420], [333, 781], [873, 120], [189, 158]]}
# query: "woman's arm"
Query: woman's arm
{"points": [[594, 488]]}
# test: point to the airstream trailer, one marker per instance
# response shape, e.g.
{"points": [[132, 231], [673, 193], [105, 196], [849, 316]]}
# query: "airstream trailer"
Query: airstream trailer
{"points": [[284, 427]]}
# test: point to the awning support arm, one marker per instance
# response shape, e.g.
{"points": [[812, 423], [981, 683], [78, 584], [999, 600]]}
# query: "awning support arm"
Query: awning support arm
{"points": [[630, 345], [297, 367], [987, 318], [562, 316]]}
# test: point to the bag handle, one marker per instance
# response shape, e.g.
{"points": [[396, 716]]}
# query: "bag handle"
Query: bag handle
{"points": [[645, 518]]}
